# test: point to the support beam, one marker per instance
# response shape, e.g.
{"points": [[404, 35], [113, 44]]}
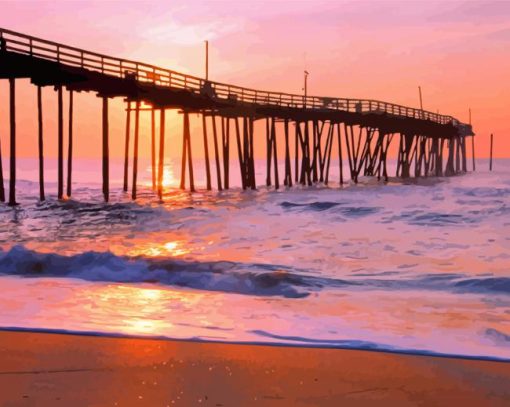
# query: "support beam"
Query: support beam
{"points": [[106, 152], [225, 133], [288, 172], [12, 156], [253, 181], [70, 147], [153, 148], [473, 152], [183, 158], [296, 153], [135, 149], [242, 166], [40, 143], [216, 153], [190, 159], [161, 166], [269, 151], [275, 162], [206, 153], [126, 147], [2, 190], [340, 162], [60, 187]]}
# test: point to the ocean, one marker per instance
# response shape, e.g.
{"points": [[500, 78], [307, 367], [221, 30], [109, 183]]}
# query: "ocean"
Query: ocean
{"points": [[420, 266]]}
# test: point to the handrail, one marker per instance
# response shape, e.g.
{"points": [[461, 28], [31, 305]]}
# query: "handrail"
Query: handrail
{"points": [[67, 55]]}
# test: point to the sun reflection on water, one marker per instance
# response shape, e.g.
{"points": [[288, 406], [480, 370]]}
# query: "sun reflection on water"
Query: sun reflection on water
{"points": [[173, 248]]}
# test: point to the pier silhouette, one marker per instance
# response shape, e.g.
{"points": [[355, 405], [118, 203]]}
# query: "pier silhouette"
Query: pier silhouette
{"points": [[429, 144]]}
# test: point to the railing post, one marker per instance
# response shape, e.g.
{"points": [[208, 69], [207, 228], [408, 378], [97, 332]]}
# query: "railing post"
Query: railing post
{"points": [[58, 54]]}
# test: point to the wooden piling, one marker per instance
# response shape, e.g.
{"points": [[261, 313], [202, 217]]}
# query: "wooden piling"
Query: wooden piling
{"points": [[216, 153], [70, 146], [340, 162], [273, 137], [473, 152], [253, 181], [60, 187], [296, 152], [135, 149], [327, 151], [288, 171], [492, 144], [190, 159], [463, 154], [268, 153], [40, 143], [225, 132], [153, 148], [12, 156], [106, 152], [126, 146], [246, 152], [161, 166], [206, 153], [183, 158], [242, 167], [2, 190]]}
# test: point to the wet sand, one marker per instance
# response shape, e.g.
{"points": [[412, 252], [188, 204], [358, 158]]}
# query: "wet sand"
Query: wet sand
{"points": [[46, 369]]}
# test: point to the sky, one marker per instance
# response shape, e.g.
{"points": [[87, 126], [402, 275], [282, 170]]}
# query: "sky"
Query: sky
{"points": [[457, 51]]}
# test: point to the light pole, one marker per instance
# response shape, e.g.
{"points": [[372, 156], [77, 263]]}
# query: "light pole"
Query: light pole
{"points": [[306, 86], [206, 60]]}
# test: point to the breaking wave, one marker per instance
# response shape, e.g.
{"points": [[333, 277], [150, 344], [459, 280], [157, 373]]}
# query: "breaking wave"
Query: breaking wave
{"points": [[232, 277]]}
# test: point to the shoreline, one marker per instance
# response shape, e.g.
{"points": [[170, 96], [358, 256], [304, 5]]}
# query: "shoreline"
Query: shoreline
{"points": [[319, 345], [46, 369]]}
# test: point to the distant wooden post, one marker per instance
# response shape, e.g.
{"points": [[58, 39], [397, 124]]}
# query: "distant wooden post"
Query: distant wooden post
{"points": [[206, 152], [60, 187], [135, 149], [70, 146], [492, 143], [12, 157], [106, 152], [161, 166], [126, 147], [41, 143], [153, 148]]}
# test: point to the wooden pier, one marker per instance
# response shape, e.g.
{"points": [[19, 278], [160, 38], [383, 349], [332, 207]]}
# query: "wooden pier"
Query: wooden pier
{"points": [[429, 144]]}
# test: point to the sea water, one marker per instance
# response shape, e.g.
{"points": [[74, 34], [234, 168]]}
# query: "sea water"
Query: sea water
{"points": [[420, 266]]}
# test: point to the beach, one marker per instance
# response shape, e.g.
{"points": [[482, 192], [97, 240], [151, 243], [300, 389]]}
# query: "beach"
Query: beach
{"points": [[47, 369]]}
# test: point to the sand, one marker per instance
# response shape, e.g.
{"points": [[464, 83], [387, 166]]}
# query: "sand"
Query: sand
{"points": [[46, 369]]}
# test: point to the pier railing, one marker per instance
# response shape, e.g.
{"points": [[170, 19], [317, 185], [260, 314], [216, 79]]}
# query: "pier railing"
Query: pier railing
{"points": [[12, 41]]}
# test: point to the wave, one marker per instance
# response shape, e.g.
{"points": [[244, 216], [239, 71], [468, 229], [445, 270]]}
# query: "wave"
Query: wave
{"points": [[233, 277], [319, 206], [264, 338]]}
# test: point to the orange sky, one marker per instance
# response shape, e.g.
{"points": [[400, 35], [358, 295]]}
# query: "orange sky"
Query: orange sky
{"points": [[456, 51]]}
